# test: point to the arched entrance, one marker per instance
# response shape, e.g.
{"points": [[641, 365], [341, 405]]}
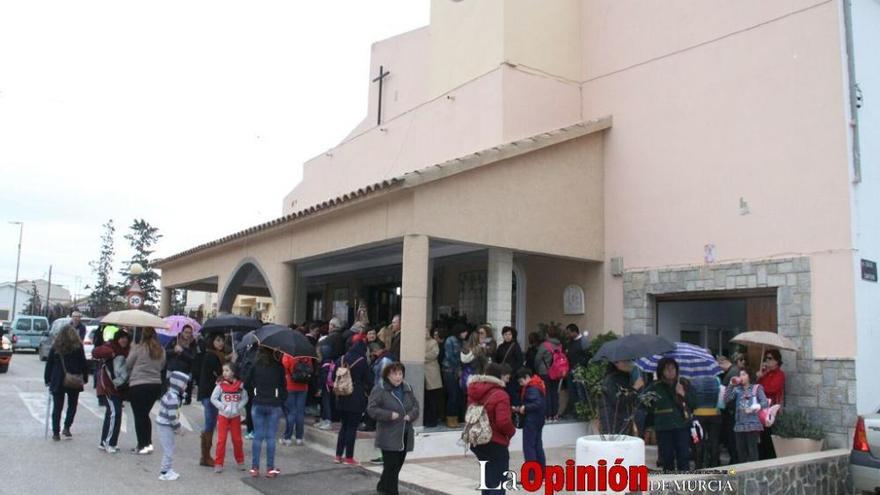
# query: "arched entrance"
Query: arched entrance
{"points": [[248, 279]]}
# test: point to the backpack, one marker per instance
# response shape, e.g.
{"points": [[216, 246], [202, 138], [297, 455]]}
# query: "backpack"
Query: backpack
{"points": [[302, 371], [342, 385], [477, 429], [558, 369], [120, 372]]}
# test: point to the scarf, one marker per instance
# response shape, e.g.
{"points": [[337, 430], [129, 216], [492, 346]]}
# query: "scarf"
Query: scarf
{"points": [[534, 381]]}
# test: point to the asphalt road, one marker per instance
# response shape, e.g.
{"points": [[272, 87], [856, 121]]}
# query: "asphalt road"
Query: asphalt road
{"points": [[33, 464]]}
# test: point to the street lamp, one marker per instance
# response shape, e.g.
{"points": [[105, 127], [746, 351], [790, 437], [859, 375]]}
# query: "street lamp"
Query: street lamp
{"points": [[17, 264], [135, 294]]}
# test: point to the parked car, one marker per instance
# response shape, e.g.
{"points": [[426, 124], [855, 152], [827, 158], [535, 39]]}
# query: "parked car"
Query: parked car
{"points": [[49, 339], [864, 458], [5, 353], [27, 331]]}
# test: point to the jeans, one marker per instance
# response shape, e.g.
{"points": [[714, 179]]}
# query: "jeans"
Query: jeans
{"points": [[552, 402], [142, 398], [166, 439], [577, 393], [210, 416], [533, 444], [112, 420], [706, 453], [296, 413], [347, 434], [675, 445], [233, 427], [58, 405], [499, 461], [747, 445], [453, 399], [392, 461], [265, 427]]}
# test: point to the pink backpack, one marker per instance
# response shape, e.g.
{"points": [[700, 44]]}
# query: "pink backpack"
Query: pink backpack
{"points": [[559, 367]]}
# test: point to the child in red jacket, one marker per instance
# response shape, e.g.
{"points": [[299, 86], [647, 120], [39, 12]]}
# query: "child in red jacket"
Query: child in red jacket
{"points": [[489, 391]]}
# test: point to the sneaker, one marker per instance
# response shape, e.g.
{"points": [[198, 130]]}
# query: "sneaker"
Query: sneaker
{"points": [[325, 425], [110, 449], [66, 434], [102, 445], [169, 475], [377, 461], [241, 467], [349, 461], [273, 472], [144, 451], [56, 437], [249, 435], [337, 460], [254, 472], [218, 469], [286, 442], [299, 442], [150, 448]]}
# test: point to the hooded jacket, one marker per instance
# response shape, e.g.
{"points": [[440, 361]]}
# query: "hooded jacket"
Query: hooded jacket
{"points": [[169, 405], [103, 379], [229, 398], [543, 357], [490, 393], [532, 396]]}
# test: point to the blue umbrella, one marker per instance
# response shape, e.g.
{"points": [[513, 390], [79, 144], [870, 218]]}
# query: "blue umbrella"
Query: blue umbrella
{"points": [[693, 361]]}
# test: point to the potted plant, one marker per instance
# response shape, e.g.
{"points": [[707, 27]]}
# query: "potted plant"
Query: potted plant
{"points": [[591, 376], [794, 433]]}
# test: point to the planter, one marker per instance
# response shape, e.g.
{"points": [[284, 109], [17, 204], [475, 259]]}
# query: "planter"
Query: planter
{"points": [[795, 446], [591, 449]]}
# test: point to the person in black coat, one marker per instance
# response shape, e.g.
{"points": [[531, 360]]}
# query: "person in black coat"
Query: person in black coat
{"points": [[511, 354], [352, 406], [180, 354], [212, 370], [66, 355], [267, 389]]}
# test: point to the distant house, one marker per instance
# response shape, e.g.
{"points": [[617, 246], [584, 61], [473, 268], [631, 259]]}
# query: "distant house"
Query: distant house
{"points": [[7, 294], [58, 295]]}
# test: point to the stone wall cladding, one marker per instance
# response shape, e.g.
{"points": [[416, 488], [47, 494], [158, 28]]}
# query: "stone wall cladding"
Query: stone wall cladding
{"points": [[824, 388], [828, 476]]}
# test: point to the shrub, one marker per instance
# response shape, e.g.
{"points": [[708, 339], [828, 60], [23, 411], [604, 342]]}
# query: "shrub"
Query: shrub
{"points": [[591, 376], [796, 424]]}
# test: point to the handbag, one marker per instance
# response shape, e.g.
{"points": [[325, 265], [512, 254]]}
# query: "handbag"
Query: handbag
{"points": [[74, 382]]}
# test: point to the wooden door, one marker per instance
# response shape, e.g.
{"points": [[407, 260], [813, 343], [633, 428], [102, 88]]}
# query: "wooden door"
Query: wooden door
{"points": [[760, 315]]}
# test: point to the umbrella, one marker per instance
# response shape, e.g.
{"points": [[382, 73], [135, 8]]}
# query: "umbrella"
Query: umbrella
{"points": [[224, 323], [633, 346], [693, 361], [176, 324], [134, 318], [281, 338], [764, 339]]}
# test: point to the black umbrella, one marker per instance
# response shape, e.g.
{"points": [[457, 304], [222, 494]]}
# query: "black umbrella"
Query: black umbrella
{"points": [[633, 346], [224, 323], [284, 339]]}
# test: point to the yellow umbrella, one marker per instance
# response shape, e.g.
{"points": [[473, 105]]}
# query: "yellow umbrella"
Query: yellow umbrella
{"points": [[764, 339], [134, 318]]}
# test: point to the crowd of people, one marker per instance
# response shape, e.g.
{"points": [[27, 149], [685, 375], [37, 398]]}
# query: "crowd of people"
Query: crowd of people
{"points": [[358, 382]]}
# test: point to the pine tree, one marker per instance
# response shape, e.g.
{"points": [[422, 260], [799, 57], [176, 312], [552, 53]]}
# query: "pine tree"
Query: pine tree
{"points": [[104, 294], [34, 304], [142, 238]]}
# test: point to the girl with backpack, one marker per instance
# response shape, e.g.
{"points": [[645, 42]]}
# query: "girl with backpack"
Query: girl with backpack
{"points": [[487, 398], [350, 388], [66, 374], [112, 378], [551, 365], [298, 373], [747, 400]]}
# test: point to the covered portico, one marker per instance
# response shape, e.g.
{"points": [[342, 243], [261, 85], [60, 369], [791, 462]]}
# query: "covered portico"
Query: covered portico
{"points": [[528, 214]]}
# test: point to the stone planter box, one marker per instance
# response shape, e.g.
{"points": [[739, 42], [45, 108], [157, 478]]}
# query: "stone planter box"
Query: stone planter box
{"points": [[794, 446], [592, 448]]}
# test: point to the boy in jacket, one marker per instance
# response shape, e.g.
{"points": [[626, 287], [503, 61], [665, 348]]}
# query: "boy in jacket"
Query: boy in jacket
{"points": [[168, 420], [229, 397], [532, 395]]}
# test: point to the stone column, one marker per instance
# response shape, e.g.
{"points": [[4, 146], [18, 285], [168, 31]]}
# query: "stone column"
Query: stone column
{"points": [[500, 289], [165, 302], [413, 319], [285, 294]]}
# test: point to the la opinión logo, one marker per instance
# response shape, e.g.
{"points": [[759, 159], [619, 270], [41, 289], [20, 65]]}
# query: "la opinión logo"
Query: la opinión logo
{"points": [[571, 477]]}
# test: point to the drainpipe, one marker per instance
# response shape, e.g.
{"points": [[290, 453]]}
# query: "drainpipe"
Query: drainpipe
{"points": [[853, 91]]}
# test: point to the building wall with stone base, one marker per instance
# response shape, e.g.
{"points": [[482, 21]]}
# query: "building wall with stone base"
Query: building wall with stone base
{"points": [[824, 388]]}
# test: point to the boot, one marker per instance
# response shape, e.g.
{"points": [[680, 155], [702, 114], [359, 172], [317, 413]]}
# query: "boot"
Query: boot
{"points": [[452, 421], [206, 460]]}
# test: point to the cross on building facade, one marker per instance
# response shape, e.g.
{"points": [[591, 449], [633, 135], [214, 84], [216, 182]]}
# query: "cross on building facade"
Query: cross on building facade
{"points": [[380, 79]]}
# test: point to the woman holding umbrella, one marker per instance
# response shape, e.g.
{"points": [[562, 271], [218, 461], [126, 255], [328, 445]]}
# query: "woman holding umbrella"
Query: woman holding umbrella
{"points": [[181, 352], [772, 378], [672, 415], [212, 370]]}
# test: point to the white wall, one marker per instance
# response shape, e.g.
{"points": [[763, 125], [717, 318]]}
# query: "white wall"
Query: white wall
{"points": [[6, 296], [866, 197]]}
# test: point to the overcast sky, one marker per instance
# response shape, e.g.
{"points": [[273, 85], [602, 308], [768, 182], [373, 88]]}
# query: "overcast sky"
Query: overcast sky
{"points": [[194, 115]]}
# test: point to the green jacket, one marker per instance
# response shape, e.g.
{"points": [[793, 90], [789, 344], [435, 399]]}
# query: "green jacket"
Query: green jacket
{"points": [[669, 413]]}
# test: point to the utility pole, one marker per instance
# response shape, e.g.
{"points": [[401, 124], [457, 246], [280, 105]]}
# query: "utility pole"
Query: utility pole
{"points": [[49, 293], [17, 264]]}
